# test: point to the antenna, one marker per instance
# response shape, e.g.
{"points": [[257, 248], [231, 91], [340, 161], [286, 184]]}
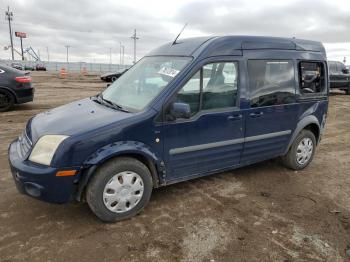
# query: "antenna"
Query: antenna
{"points": [[174, 43]]}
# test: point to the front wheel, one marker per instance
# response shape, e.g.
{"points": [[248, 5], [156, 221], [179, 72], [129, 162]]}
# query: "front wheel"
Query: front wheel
{"points": [[119, 189], [301, 152]]}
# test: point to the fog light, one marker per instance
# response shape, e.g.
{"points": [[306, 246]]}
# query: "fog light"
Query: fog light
{"points": [[32, 189]]}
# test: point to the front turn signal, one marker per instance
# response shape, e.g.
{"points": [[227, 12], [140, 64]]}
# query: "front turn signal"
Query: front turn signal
{"points": [[66, 173]]}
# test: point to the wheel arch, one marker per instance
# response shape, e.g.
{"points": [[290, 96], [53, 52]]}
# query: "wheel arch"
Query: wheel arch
{"points": [[10, 91], [310, 123], [132, 149]]}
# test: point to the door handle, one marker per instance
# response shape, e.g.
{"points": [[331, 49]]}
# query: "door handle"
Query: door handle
{"points": [[256, 114], [234, 117]]}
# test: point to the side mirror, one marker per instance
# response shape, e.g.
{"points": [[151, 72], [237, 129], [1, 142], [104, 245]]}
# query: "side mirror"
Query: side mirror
{"points": [[180, 110], [345, 71]]}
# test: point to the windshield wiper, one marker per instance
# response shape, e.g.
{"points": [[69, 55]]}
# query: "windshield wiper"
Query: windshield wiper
{"points": [[114, 105]]}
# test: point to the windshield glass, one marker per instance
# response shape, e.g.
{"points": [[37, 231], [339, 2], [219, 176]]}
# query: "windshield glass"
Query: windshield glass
{"points": [[143, 82]]}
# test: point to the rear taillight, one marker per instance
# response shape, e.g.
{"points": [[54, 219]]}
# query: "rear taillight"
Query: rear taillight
{"points": [[23, 79]]}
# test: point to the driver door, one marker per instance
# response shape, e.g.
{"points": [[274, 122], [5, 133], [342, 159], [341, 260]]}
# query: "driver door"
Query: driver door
{"points": [[210, 138]]}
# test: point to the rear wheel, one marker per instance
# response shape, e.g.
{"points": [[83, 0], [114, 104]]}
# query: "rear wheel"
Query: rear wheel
{"points": [[113, 78], [119, 189], [347, 91], [302, 151], [7, 100]]}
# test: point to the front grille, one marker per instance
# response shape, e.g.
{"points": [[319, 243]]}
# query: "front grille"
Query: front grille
{"points": [[24, 144]]}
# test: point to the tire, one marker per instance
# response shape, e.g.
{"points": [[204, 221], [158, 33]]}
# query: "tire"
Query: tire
{"points": [[113, 78], [7, 100], [108, 192], [347, 91], [291, 159]]}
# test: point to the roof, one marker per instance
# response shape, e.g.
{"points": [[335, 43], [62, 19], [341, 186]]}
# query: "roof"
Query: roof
{"points": [[233, 45]]}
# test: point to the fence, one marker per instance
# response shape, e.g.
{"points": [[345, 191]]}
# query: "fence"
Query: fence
{"points": [[72, 66]]}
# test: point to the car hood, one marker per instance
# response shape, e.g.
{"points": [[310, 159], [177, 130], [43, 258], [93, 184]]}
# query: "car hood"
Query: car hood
{"points": [[109, 74], [77, 117]]}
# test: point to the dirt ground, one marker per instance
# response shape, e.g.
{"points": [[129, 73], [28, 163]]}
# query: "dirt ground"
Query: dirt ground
{"points": [[263, 212]]}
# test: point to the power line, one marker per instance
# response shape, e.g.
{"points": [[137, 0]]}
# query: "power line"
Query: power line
{"points": [[9, 17], [135, 38]]}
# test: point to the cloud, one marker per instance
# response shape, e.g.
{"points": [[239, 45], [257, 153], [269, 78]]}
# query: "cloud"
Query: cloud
{"points": [[93, 27]]}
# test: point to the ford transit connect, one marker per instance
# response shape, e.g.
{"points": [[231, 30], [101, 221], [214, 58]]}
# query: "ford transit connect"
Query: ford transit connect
{"points": [[187, 109]]}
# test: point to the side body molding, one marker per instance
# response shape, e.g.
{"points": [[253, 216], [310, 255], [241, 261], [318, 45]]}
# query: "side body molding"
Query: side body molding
{"points": [[310, 119]]}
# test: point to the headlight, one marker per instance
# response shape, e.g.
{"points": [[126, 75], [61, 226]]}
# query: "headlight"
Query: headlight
{"points": [[45, 149]]}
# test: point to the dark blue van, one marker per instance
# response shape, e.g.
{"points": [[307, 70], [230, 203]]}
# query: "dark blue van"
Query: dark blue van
{"points": [[188, 109]]}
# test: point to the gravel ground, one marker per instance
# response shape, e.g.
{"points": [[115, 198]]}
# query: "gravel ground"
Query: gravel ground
{"points": [[263, 212]]}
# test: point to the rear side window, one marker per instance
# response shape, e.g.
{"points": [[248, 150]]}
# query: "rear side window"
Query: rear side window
{"points": [[332, 67], [271, 82], [312, 77]]}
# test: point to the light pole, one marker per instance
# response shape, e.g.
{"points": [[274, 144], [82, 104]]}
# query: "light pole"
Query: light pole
{"points": [[9, 17], [123, 49], [134, 36], [67, 47]]}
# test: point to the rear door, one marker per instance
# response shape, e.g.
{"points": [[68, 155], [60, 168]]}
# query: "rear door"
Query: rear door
{"points": [[272, 114], [212, 138], [342, 78], [333, 74]]}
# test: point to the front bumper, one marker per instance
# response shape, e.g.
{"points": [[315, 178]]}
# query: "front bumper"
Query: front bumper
{"points": [[40, 181]]}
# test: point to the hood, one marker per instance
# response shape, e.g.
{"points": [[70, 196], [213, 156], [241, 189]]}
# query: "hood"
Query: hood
{"points": [[109, 74], [77, 117]]}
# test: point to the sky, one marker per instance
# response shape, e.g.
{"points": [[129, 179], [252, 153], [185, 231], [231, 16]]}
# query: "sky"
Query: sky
{"points": [[95, 29]]}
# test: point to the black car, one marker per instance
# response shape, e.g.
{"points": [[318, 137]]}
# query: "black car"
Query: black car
{"points": [[339, 76], [15, 87], [18, 66], [111, 77], [40, 67]]}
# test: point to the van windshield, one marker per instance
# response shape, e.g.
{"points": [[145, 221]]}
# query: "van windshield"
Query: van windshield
{"points": [[137, 87]]}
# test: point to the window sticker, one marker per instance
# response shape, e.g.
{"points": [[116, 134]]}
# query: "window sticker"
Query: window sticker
{"points": [[168, 71]]}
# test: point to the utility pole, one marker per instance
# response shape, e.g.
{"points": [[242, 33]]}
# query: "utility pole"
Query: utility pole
{"points": [[9, 17], [120, 53], [67, 47], [110, 58], [48, 54], [22, 49], [121, 56], [123, 49], [135, 38]]}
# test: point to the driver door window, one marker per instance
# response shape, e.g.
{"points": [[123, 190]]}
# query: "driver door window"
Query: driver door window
{"points": [[220, 86], [214, 86]]}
